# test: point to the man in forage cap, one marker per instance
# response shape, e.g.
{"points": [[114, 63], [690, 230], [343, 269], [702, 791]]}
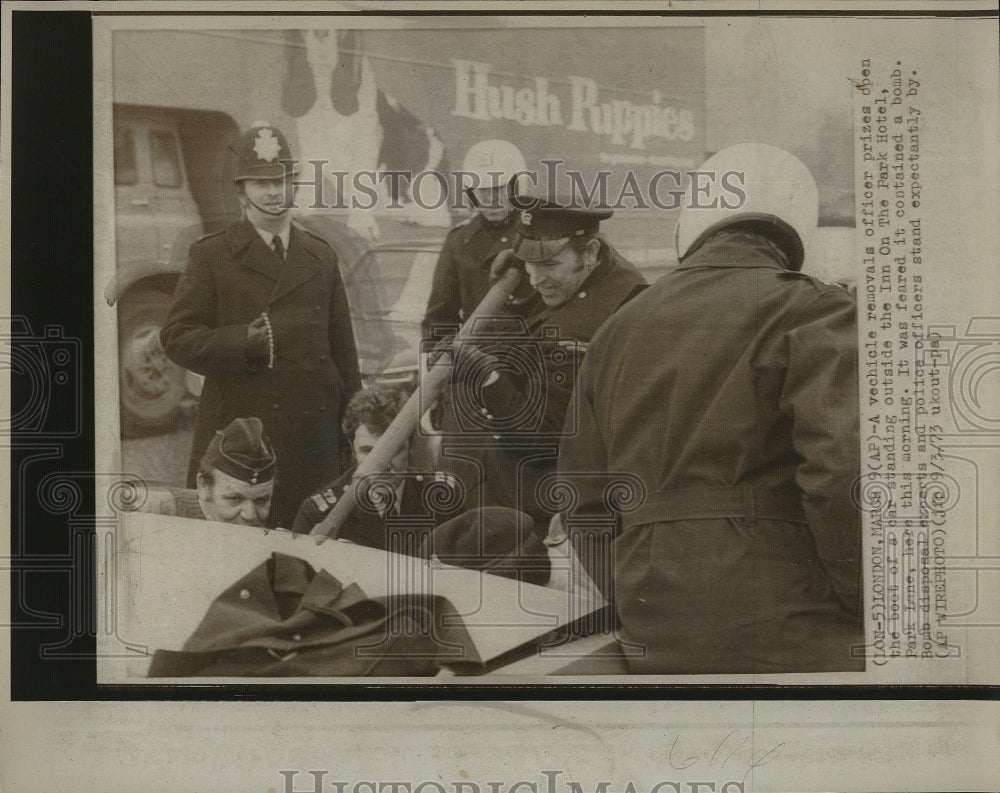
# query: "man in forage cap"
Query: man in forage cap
{"points": [[236, 477], [235, 480]]}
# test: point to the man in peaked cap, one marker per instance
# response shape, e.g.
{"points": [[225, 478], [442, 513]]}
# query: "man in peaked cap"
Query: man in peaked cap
{"points": [[729, 390], [513, 380], [261, 312]]}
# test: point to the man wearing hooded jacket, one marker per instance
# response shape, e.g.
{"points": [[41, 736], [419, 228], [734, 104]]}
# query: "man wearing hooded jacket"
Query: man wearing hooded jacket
{"points": [[729, 389]]}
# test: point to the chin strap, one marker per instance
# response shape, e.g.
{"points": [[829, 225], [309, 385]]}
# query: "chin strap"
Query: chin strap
{"points": [[274, 212]]}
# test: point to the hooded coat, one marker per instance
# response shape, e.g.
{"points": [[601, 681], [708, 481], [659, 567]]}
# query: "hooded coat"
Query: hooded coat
{"points": [[726, 395]]}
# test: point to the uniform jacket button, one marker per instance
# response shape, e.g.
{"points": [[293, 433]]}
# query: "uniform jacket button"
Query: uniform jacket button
{"points": [[583, 295], [244, 594], [296, 637], [275, 405], [322, 408]]}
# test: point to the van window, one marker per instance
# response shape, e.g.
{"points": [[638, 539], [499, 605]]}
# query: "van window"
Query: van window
{"points": [[125, 169], [166, 163]]}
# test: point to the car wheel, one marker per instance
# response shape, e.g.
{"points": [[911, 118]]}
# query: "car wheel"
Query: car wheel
{"points": [[151, 386]]}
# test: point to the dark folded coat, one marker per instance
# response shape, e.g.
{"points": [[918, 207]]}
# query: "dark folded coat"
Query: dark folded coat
{"points": [[284, 619]]}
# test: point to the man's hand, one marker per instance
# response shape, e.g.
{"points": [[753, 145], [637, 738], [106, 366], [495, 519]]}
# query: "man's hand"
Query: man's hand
{"points": [[463, 355], [473, 362], [442, 352], [503, 262], [257, 339]]}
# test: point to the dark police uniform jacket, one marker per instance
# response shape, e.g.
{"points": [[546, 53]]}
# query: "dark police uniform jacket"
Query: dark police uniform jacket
{"points": [[729, 390], [539, 350], [366, 526], [231, 277], [462, 274]]}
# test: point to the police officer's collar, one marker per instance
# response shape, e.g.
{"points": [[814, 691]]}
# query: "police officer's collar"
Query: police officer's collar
{"points": [[480, 224], [601, 267], [734, 247], [538, 308], [785, 241], [268, 236]]}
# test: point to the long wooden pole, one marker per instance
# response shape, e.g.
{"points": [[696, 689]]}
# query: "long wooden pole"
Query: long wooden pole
{"points": [[428, 388]]}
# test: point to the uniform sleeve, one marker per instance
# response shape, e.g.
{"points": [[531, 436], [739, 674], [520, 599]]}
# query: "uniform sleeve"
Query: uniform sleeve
{"points": [[190, 336], [582, 454], [820, 395], [343, 349], [445, 303], [307, 516], [547, 376]]}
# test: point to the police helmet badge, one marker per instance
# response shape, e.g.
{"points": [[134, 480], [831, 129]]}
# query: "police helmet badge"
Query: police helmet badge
{"points": [[267, 146]]}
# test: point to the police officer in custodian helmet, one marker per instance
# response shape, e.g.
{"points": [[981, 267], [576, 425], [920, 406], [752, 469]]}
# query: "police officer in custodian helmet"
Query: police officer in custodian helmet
{"points": [[261, 312]]}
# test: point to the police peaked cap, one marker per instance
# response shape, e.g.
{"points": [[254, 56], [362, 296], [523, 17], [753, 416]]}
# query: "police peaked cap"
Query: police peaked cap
{"points": [[544, 228], [262, 152], [242, 451], [499, 540]]}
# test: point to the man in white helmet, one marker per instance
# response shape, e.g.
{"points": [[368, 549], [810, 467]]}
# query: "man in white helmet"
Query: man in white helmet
{"points": [[729, 388], [462, 275]]}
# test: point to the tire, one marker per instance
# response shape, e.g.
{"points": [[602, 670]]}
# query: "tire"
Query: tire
{"points": [[151, 387]]}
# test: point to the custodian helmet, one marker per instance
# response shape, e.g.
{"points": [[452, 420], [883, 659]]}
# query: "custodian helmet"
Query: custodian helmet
{"points": [[494, 162], [262, 153], [781, 199]]}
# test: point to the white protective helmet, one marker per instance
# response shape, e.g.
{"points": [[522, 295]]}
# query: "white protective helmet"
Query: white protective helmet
{"points": [[779, 191], [494, 162]]}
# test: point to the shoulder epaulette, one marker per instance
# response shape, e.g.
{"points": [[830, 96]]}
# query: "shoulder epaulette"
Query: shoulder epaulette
{"points": [[446, 478], [818, 284], [574, 346], [211, 234], [315, 236], [796, 274], [324, 499], [461, 224]]}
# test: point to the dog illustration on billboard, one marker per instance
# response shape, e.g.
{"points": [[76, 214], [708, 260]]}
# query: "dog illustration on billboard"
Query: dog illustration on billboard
{"points": [[348, 122]]}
